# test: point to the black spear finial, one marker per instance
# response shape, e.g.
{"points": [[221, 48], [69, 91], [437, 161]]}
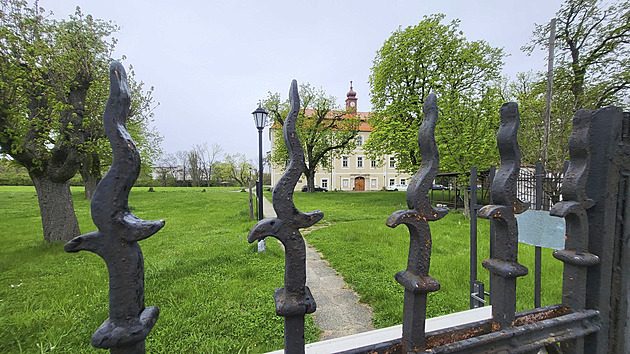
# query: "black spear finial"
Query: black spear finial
{"points": [[119, 231], [294, 300], [416, 279], [503, 265], [573, 208]]}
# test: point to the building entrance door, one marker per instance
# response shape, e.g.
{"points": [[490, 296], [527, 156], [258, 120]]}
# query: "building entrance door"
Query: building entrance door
{"points": [[359, 184]]}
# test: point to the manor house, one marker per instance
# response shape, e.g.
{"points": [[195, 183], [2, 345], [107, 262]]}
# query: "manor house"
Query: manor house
{"points": [[355, 171]]}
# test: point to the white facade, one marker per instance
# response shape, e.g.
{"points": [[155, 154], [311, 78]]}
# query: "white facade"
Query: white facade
{"points": [[352, 172]]}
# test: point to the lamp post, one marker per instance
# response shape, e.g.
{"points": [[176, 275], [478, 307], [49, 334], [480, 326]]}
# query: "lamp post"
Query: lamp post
{"points": [[260, 118]]}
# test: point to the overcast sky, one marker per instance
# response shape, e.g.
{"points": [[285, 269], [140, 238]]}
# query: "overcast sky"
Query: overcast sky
{"points": [[212, 61]]}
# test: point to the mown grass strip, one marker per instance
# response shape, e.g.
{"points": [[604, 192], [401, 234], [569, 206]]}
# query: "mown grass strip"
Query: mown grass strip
{"points": [[212, 287], [368, 254], [214, 290]]}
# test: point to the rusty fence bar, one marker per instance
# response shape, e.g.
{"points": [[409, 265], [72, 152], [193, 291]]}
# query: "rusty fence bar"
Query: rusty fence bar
{"points": [[492, 175], [503, 264], [573, 208], [477, 288], [591, 318], [538, 250], [416, 279], [506, 331], [530, 188], [608, 222], [294, 300], [119, 231], [476, 298]]}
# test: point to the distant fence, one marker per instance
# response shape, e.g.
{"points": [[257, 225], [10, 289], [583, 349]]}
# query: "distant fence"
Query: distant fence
{"points": [[451, 192], [550, 184], [540, 191]]}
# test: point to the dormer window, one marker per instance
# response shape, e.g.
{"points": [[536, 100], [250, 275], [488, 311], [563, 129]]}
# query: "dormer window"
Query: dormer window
{"points": [[359, 141]]}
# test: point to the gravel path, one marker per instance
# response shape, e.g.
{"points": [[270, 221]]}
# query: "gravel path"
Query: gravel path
{"points": [[339, 312]]}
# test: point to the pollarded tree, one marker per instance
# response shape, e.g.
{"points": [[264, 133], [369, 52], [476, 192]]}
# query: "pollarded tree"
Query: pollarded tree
{"points": [[166, 170], [47, 68], [201, 161], [324, 130], [435, 57], [211, 154], [195, 167]]}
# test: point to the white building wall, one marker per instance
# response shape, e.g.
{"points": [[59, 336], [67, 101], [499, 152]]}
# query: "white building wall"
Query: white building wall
{"points": [[345, 178]]}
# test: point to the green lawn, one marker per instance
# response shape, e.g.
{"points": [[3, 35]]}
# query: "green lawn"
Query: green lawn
{"points": [[212, 287], [368, 253]]}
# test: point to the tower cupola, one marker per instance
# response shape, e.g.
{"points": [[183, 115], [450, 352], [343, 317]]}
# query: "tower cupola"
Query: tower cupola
{"points": [[351, 100]]}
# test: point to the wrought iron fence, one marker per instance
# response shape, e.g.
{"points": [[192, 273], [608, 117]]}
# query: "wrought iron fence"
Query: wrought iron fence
{"points": [[533, 183], [541, 190], [450, 191], [592, 318]]}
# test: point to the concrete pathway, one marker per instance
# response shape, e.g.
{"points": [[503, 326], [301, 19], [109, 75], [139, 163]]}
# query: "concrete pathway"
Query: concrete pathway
{"points": [[339, 312]]}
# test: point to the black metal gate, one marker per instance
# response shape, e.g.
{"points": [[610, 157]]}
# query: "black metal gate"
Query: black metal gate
{"points": [[595, 190]]}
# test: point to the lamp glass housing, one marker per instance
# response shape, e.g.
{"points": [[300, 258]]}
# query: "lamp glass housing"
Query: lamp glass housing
{"points": [[260, 117]]}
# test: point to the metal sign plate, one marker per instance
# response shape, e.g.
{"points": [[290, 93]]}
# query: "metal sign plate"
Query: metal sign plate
{"points": [[538, 228]]}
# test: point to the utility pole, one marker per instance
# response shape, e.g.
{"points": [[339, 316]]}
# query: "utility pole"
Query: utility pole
{"points": [[552, 40]]}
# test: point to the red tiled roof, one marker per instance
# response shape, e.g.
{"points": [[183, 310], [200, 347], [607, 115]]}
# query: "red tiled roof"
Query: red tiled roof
{"points": [[364, 126]]}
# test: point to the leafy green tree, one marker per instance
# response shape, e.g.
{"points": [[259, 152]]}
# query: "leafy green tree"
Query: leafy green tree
{"points": [[47, 69], [95, 151], [220, 177], [592, 52], [325, 130], [236, 168], [529, 91], [52, 84], [591, 70], [435, 57]]}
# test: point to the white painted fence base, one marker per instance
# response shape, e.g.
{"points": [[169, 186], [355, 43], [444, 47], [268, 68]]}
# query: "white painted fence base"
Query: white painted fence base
{"points": [[390, 333]]}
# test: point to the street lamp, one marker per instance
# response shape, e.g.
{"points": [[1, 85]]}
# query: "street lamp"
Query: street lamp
{"points": [[260, 118]]}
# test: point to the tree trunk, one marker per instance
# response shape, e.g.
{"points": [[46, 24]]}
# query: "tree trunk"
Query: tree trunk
{"points": [[91, 173], [59, 221], [577, 86], [467, 202], [163, 178], [310, 180], [90, 183], [251, 202]]}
